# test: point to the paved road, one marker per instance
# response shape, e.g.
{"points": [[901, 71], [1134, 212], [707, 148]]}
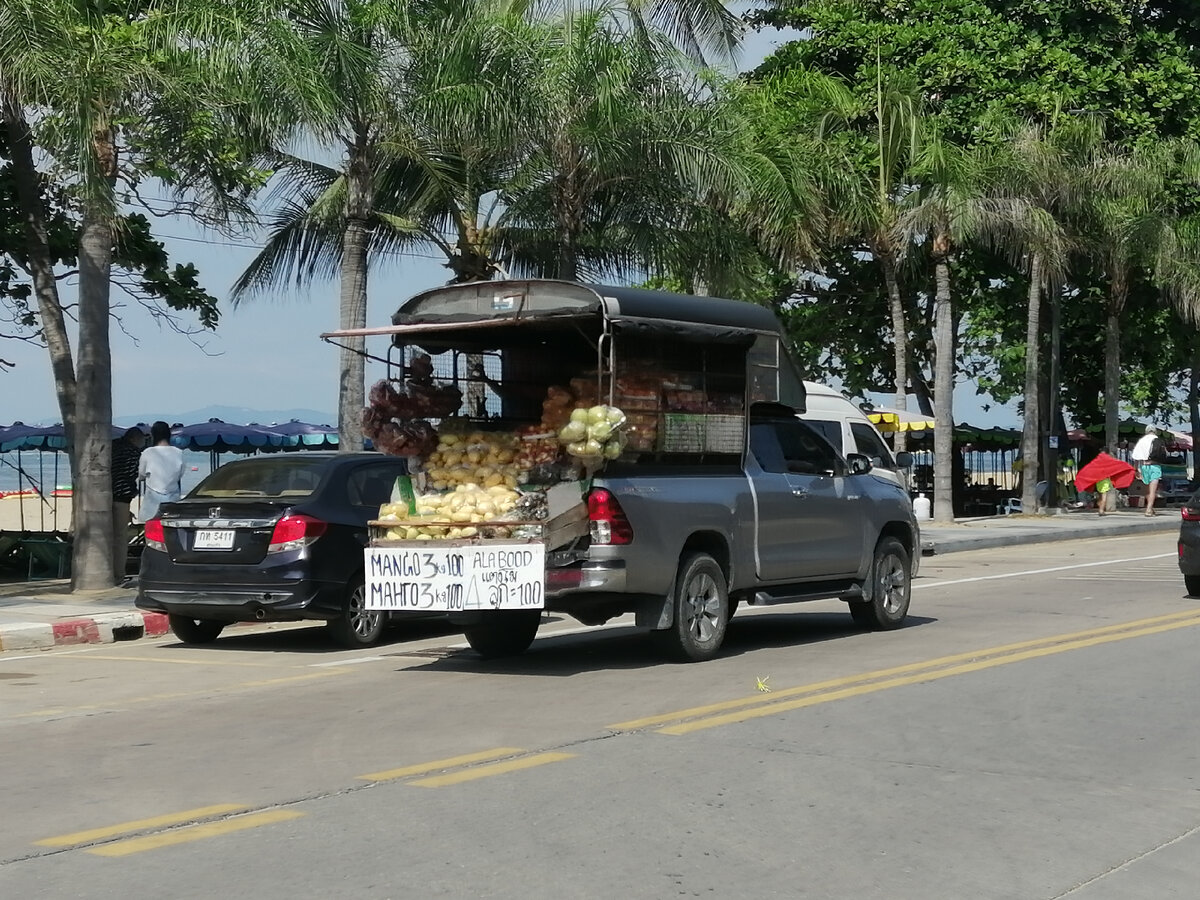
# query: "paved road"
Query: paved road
{"points": [[1033, 733]]}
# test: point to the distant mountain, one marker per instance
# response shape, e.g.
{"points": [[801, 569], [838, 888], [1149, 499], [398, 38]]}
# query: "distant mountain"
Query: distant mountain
{"points": [[240, 415]]}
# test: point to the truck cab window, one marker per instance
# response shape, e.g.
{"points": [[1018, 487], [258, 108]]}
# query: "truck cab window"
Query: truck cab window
{"points": [[790, 446], [869, 444]]}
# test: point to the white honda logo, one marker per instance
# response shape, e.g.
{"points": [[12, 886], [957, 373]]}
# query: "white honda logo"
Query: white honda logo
{"points": [[214, 512]]}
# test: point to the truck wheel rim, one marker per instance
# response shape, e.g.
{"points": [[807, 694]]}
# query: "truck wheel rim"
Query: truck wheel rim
{"points": [[363, 621], [891, 584], [702, 608]]}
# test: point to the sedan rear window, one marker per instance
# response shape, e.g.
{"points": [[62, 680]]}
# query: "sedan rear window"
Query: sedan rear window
{"points": [[285, 476]]}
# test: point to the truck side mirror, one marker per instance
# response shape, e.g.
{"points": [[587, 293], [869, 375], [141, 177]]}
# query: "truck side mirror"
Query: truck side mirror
{"points": [[858, 464], [904, 460]]}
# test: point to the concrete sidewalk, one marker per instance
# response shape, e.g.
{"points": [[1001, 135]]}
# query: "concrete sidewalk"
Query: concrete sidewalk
{"points": [[42, 614]]}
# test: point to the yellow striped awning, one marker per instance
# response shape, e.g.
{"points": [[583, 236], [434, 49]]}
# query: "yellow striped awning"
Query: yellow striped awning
{"points": [[888, 421]]}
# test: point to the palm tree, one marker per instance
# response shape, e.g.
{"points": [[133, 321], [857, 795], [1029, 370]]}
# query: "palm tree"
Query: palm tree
{"points": [[1041, 193], [1134, 223], [328, 73], [703, 29], [877, 140], [953, 205], [623, 142]]}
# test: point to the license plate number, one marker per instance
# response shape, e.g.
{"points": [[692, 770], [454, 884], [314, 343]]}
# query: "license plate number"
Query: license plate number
{"points": [[209, 539]]}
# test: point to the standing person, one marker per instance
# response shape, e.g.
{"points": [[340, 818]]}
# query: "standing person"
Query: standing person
{"points": [[160, 470], [126, 452], [1148, 455]]}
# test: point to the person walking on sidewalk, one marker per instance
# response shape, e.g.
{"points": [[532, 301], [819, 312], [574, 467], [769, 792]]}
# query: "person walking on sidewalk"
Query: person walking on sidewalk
{"points": [[1148, 455], [126, 452], [160, 471]]}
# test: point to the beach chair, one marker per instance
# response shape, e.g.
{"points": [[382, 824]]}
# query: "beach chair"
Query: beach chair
{"points": [[10, 551], [49, 554]]}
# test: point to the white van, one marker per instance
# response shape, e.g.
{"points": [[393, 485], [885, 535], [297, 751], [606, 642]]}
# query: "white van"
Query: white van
{"points": [[850, 431]]}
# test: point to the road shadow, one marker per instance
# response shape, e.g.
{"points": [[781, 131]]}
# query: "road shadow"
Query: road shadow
{"points": [[316, 639], [627, 647]]}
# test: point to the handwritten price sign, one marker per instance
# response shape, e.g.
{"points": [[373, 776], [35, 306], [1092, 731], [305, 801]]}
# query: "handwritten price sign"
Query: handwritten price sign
{"points": [[450, 579]]}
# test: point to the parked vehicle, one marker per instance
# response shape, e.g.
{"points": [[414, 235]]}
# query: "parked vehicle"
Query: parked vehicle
{"points": [[719, 496], [271, 538], [1189, 545], [849, 430]]}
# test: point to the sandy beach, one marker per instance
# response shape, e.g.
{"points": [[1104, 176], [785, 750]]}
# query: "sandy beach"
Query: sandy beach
{"points": [[54, 514], [31, 513]]}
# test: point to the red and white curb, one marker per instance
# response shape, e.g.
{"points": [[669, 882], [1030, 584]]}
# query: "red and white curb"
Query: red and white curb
{"points": [[102, 628]]}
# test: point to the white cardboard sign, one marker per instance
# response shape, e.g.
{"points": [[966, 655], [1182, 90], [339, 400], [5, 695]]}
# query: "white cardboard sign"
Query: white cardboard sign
{"points": [[450, 579]]}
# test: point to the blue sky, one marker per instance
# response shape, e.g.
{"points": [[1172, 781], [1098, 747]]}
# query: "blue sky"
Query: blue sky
{"points": [[266, 353]]}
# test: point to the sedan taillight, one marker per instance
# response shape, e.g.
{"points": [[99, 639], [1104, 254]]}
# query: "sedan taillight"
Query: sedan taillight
{"points": [[155, 538], [1190, 515], [295, 531]]}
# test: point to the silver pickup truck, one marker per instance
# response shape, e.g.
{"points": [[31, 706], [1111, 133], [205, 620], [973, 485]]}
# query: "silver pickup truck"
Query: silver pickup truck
{"points": [[677, 533]]}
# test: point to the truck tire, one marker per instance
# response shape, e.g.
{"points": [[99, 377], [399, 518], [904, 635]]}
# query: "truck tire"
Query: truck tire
{"points": [[503, 632], [357, 626], [195, 631], [700, 600], [890, 585], [1192, 583]]}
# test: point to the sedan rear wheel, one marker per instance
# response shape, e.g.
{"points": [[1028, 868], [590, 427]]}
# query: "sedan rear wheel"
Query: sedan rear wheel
{"points": [[195, 631], [1192, 583], [357, 626]]}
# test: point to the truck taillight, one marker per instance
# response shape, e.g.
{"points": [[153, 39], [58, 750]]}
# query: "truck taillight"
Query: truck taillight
{"points": [[1190, 515], [155, 538], [295, 531], [609, 525]]}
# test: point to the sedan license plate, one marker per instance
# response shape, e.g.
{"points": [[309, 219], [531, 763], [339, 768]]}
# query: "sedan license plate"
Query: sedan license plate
{"points": [[208, 539]]}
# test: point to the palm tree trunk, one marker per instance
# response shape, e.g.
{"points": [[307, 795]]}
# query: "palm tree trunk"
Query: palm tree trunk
{"points": [[1030, 444], [352, 304], [943, 388], [92, 553], [1194, 391], [899, 337], [1112, 360]]}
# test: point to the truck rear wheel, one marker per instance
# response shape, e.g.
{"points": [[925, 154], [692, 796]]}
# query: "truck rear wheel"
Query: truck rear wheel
{"points": [[503, 632], [701, 605], [889, 584]]}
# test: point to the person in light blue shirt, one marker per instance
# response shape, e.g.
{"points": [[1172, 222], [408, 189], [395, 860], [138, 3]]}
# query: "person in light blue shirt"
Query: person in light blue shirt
{"points": [[160, 472]]}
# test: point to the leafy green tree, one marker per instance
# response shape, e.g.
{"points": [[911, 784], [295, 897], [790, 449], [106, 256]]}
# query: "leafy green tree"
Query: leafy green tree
{"points": [[89, 74]]}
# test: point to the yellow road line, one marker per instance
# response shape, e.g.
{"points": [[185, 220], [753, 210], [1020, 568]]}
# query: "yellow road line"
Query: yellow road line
{"points": [[759, 712], [177, 695], [776, 695], [220, 664], [179, 818], [194, 833], [512, 765], [438, 764]]}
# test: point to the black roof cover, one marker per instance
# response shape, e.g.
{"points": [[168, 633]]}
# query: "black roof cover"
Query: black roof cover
{"points": [[630, 309], [639, 303]]}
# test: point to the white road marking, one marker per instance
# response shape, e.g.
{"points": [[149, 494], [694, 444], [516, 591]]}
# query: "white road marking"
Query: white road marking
{"points": [[1106, 562], [345, 662]]}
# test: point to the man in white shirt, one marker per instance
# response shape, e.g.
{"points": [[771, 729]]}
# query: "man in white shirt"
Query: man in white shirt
{"points": [[160, 471], [1148, 455]]}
